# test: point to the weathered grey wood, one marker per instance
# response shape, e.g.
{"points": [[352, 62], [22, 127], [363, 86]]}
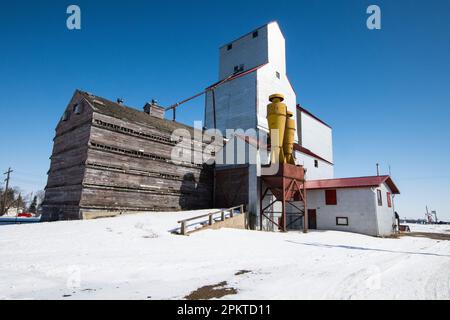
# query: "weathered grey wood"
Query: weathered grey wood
{"points": [[104, 160]]}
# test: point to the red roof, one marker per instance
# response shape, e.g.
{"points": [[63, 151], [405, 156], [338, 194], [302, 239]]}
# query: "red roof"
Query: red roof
{"points": [[235, 76], [359, 182], [311, 115], [259, 144], [301, 149]]}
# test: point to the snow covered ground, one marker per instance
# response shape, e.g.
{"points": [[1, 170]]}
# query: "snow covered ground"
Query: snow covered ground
{"points": [[134, 257], [434, 228]]}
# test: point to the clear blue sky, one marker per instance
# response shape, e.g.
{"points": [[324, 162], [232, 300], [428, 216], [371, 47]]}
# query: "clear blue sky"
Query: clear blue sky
{"points": [[385, 93]]}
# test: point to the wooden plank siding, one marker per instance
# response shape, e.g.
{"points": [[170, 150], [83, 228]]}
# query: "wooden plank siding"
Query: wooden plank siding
{"points": [[105, 163], [231, 186], [64, 185]]}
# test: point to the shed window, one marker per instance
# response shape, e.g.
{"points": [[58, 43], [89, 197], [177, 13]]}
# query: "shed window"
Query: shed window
{"points": [[330, 197], [238, 68], [316, 163], [230, 46], [389, 199], [341, 221], [379, 198]]}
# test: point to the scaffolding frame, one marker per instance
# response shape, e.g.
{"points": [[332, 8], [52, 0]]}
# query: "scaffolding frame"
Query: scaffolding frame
{"points": [[288, 187]]}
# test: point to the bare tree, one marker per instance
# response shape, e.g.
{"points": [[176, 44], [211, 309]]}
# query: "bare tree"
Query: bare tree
{"points": [[13, 199]]}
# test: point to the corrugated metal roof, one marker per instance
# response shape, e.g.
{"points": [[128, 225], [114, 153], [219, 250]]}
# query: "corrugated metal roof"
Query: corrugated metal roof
{"points": [[356, 182]]}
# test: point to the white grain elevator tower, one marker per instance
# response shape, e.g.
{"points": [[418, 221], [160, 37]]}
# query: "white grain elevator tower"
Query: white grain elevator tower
{"points": [[251, 68]]}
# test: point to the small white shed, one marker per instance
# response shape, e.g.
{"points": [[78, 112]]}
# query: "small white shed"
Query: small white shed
{"points": [[362, 205]]}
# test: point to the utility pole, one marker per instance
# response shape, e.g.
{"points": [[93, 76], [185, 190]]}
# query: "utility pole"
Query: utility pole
{"points": [[31, 200], [5, 194]]}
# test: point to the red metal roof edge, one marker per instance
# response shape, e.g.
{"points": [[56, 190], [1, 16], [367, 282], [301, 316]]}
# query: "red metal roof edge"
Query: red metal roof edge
{"points": [[392, 185], [259, 144], [304, 150], [235, 76], [312, 115], [353, 182]]}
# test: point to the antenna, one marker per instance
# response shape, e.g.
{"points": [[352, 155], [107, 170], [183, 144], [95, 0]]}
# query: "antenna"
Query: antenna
{"points": [[433, 212]]}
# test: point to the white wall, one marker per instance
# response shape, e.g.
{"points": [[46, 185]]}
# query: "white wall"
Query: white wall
{"points": [[355, 203], [385, 215], [268, 84], [249, 51], [324, 171], [277, 47], [316, 136]]}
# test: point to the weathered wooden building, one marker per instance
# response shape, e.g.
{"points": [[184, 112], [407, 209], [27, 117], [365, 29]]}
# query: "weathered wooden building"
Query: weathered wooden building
{"points": [[108, 158]]}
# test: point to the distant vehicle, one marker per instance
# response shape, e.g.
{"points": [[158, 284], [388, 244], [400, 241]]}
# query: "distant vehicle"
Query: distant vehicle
{"points": [[25, 215]]}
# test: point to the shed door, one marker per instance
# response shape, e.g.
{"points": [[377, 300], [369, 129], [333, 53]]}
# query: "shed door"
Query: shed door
{"points": [[312, 222]]}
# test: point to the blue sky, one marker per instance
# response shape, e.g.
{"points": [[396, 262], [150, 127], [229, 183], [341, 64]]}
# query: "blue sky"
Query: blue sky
{"points": [[386, 93]]}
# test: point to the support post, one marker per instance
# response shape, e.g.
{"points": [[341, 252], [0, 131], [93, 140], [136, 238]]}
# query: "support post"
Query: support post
{"points": [[183, 228], [261, 206], [283, 206], [305, 219], [210, 219]]}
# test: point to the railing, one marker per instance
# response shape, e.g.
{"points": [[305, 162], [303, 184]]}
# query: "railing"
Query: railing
{"points": [[223, 215]]}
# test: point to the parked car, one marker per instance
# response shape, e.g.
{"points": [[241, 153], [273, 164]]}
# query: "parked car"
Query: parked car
{"points": [[25, 215]]}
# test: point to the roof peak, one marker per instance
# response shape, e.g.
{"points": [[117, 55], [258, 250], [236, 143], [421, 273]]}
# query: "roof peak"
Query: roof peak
{"points": [[312, 115]]}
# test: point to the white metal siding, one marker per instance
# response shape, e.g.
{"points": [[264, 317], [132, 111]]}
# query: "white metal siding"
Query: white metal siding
{"points": [[324, 170], [385, 215], [316, 137], [235, 104], [357, 204], [268, 84], [249, 51]]}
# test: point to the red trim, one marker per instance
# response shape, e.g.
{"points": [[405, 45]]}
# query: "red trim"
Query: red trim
{"points": [[252, 141], [234, 76], [358, 182], [259, 144], [311, 115], [301, 149]]}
